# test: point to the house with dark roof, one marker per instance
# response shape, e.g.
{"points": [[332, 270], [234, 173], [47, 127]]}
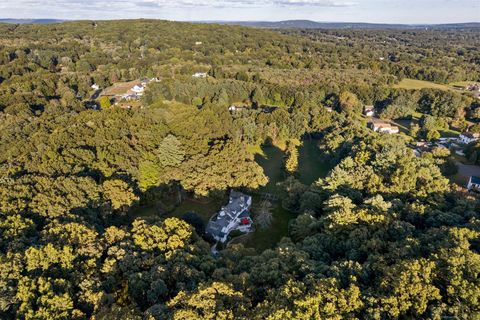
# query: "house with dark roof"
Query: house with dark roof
{"points": [[233, 216], [474, 184]]}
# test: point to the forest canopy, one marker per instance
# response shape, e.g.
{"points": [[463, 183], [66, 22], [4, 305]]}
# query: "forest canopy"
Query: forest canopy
{"points": [[383, 235]]}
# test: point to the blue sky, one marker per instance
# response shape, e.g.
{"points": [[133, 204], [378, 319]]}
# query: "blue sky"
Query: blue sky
{"points": [[385, 11]]}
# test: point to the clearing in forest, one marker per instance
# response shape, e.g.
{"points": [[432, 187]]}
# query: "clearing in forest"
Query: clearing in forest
{"points": [[119, 88], [412, 84]]}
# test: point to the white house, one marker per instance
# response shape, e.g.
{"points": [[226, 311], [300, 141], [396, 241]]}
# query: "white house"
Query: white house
{"points": [[234, 108], [95, 86], [138, 89], [198, 43], [234, 216], [199, 75], [369, 111], [383, 127], [468, 137], [474, 184]]}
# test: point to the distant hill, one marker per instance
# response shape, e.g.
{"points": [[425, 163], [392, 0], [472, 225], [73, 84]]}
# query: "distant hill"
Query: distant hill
{"points": [[307, 24], [293, 24], [30, 21]]}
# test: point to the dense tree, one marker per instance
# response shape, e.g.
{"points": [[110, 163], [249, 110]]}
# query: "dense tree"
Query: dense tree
{"points": [[383, 234]]}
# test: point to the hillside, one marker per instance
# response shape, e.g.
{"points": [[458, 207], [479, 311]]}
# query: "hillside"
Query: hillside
{"points": [[307, 24]]}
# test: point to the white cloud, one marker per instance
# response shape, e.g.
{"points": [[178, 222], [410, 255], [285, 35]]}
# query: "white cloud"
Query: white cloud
{"points": [[386, 11], [184, 3]]}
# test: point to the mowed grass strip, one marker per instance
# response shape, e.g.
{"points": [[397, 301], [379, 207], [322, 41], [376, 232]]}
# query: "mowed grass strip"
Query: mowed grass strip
{"points": [[412, 84]]}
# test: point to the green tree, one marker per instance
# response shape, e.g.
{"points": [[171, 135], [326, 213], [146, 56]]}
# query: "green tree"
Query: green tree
{"points": [[433, 135], [119, 194], [104, 102], [349, 103]]}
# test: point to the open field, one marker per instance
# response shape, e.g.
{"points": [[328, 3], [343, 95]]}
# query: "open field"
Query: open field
{"points": [[463, 84], [262, 239], [311, 165], [204, 209], [405, 125], [412, 84], [119, 88]]}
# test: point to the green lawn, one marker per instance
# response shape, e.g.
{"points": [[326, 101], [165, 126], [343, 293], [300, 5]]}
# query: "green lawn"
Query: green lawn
{"points": [[272, 163], [449, 133], [463, 83], [204, 209], [311, 168], [271, 158], [406, 124], [412, 84], [262, 239], [311, 165]]}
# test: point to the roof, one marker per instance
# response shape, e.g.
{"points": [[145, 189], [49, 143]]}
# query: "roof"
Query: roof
{"points": [[471, 135], [381, 124], [237, 206], [475, 179]]}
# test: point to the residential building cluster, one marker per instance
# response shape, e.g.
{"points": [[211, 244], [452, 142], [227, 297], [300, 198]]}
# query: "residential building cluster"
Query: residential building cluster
{"points": [[136, 92], [234, 216]]}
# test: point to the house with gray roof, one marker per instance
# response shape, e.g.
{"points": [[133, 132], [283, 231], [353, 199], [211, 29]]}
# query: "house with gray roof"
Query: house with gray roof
{"points": [[233, 216]]}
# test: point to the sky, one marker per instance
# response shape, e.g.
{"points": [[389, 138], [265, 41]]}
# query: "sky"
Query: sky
{"points": [[374, 11]]}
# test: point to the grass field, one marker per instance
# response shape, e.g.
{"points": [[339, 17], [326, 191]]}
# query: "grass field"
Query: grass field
{"points": [[271, 158], [412, 84], [272, 163], [311, 165], [119, 88], [405, 126], [262, 239], [463, 84], [204, 209]]}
